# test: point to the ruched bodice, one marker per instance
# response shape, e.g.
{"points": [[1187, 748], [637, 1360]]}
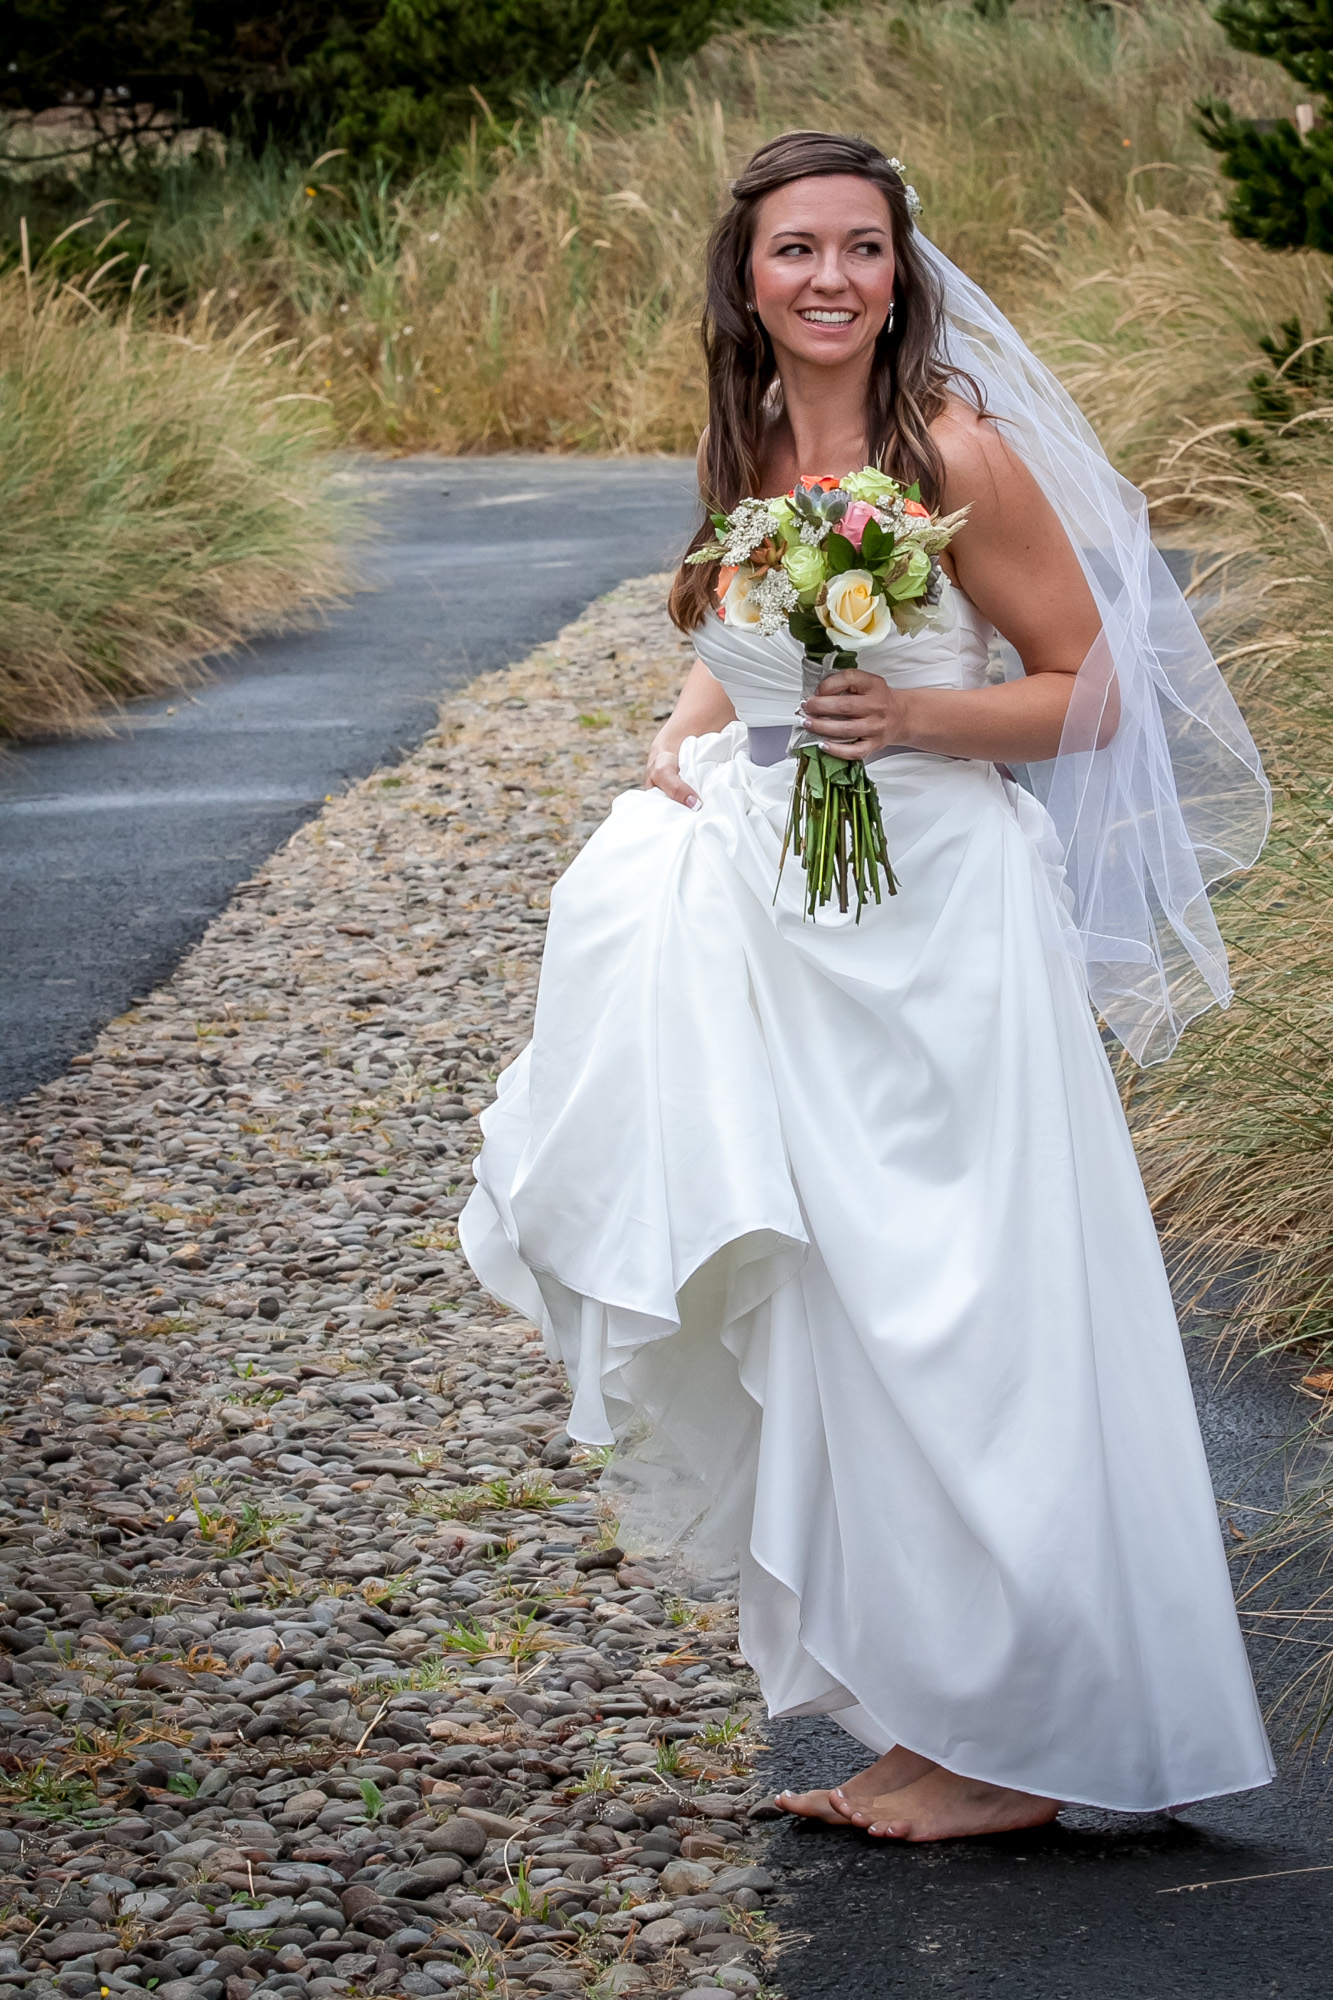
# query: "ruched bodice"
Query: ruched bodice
{"points": [[762, 675]]}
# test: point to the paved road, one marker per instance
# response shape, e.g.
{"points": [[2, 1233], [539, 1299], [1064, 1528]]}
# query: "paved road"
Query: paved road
{"points": [[114, 855]]}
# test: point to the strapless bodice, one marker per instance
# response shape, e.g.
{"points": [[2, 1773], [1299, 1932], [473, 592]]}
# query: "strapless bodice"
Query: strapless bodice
{"points": [[762, 675]]}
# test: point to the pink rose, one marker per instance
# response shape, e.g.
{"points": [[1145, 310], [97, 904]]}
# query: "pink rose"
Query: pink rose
{"points": [[853, 522]]}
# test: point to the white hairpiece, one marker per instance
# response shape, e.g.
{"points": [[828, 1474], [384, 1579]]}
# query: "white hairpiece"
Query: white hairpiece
{"points": [[913, 198]]}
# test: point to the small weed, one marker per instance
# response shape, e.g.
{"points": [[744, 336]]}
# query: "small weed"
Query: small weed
{"points": [[678, 1611], [254, 1530], [372, 1798], [184, 1783], [532, 1908], [423, 1676], [437, 1237], [52, 1794], [384, 1592], [718, 1735], [282, 1589], [671, 1761], [468, 1503], [198, 1660], [597, 718], [524, 1638], [595, 1782], [467, 1638], [259, 1398]]}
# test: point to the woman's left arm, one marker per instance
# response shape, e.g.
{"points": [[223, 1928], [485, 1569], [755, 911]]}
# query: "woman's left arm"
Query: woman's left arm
{"points": [[1016, 564]]}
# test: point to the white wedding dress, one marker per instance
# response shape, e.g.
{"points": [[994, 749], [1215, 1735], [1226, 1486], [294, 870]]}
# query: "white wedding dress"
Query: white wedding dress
{"points": [[839, 1230]]}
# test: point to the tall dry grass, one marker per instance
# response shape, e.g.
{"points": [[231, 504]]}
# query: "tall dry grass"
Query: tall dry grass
{"points": [[545, 293], [163, 496], [1153, 321]]}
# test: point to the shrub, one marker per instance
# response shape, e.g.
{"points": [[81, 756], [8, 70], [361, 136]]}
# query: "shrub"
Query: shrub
{"points": [[162, 495], [388, 77], [1283, 176]]}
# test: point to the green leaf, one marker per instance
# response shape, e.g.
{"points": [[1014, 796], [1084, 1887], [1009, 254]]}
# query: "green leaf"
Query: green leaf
{"points": [[372, 1798], [841, 555], [876, 545], [914, 490], [808, 632]]}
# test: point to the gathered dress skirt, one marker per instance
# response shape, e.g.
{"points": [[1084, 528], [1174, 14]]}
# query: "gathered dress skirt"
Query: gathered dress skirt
{"points": [[838, 1230]]}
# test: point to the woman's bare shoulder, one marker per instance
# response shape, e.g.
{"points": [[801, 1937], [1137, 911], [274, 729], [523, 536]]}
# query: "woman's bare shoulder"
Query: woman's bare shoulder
{"points": [[968, 439], [979, 461]]}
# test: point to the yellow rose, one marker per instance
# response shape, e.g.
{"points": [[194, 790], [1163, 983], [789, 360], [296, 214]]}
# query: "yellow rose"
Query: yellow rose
{"points": [[738, 605], [854, 612]]}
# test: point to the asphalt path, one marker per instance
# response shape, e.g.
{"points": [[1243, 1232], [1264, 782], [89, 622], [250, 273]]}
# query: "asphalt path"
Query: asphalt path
{"points": [[115, 852]]}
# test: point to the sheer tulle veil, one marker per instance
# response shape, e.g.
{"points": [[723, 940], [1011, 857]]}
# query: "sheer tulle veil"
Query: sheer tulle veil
{"points": [[1152, 808]]}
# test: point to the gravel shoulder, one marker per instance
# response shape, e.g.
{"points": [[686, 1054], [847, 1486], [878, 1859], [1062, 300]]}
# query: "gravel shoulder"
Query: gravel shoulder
{"points": [[321, 1672]]}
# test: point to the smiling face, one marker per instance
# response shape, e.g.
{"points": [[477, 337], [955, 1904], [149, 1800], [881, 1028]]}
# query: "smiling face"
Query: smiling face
{"points": [[821, 269]]}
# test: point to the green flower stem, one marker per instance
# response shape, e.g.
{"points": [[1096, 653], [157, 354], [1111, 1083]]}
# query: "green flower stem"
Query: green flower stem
{"points": [[835, 828]]}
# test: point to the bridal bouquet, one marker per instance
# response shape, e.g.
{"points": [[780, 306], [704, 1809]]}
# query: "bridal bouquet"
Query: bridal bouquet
{"points": [[842, 564]]}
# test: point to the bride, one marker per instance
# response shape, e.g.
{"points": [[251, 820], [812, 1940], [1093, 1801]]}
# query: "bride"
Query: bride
{"points": [[837, 1225]]}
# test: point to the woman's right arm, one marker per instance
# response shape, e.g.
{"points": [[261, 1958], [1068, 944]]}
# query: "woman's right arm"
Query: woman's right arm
{"points": [[703, 708]]}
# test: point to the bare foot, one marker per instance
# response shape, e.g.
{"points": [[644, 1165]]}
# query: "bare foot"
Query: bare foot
{"points": [[892, 1773], [942, 1806]]}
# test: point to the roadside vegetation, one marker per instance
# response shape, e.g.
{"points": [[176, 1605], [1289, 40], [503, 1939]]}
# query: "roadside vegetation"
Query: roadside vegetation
{"points": [[538, 285], [163, 493]]}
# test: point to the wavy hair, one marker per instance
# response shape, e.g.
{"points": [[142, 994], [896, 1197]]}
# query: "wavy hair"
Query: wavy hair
{"points": [[909, 381]]}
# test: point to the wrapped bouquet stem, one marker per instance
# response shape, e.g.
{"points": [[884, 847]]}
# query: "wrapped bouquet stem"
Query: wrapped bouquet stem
{"points": [[843, 565], [834, 825]]}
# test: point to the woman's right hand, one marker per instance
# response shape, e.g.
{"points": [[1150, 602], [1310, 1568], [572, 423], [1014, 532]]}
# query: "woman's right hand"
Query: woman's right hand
{"points": [[663, 775], [703, 708]]}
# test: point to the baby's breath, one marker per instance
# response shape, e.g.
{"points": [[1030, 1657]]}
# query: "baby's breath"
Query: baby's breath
{"points": [[774, 597], [750, 525]]}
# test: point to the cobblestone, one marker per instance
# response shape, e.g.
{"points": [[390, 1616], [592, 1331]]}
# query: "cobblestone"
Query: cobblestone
{"points": [[320, 1671]]}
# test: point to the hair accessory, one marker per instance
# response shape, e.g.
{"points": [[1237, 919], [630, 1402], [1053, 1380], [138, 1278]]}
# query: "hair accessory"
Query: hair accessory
{"points": [[913, 198]]}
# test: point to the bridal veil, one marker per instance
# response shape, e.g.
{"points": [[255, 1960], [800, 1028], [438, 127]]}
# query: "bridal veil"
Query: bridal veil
{"points": [[1157, 790]]}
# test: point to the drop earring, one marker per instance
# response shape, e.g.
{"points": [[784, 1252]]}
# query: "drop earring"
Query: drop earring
{"points": [[888, 324]]}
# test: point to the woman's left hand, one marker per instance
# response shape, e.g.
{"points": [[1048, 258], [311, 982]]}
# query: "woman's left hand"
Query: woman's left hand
{"points": [[856, 714]]}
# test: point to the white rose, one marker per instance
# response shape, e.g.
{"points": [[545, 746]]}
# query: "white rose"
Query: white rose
{"points": [[738, 605], [854, 612]]}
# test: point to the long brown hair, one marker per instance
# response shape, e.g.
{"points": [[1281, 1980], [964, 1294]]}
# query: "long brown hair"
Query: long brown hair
{"points": [[909, 378]]}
